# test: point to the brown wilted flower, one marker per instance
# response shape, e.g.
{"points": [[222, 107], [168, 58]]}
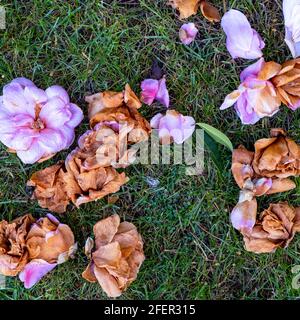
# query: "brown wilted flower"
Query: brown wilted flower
{"points": [[275, 227], [266, 170], [49, 243], [13, 251], [89, 172], [287, 83], [188, 8], [277, 156], [118, 255]]}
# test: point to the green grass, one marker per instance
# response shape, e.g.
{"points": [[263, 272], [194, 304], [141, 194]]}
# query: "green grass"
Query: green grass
{"points": [[192, 252]]}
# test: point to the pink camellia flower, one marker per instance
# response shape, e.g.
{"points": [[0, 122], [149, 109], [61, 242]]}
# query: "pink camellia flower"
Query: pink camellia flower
{"points": [[187, 33], [35, 123], [256, 97], [153, 89], [291, 11], [173, 127], [242, 41]]}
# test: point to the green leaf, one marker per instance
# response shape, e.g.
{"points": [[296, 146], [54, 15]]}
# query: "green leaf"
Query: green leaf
{"points": [[217, 135], [211, 145]]}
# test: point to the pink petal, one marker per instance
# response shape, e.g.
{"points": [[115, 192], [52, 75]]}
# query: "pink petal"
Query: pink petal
{"points": [[163, 95], [291, 11], [24, 82], [55, 113], [230, 99], [58, 92], [187, 33], [154, 122], [32, 154], [35, 95], [252, 70], [149, 90], [51, 140], [242, 41], [34, 271], [15, 102], [77, 115], [245, 110]]}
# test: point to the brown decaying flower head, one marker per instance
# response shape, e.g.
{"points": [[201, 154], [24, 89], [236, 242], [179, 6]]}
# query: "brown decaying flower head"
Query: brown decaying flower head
{"points": [[266, 170], [275, 227], [287, 83], [89, 172], [13, 251], [117, 256], [188, 8]]}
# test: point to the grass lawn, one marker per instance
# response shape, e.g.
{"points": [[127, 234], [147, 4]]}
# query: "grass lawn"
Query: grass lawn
{"points": [[192, 252]]}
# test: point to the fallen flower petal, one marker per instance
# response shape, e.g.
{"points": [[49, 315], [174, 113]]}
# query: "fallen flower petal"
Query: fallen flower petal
{"points": [[210, 12], [173, 127], [186, 8], [117, 257], [187, 33], [36, 124], [242, 41], [153, 89], [291, 11], [34, 271]]}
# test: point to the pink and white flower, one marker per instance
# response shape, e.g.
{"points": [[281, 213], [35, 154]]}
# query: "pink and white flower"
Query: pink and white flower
{"points": [[256, 96], [36, 123], [242, 41], [153, 89], [173, 126], [187, 33]]}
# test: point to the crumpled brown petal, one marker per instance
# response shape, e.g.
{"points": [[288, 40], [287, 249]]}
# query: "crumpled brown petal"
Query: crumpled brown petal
{"points": [[89, 172], [13, 251], [287, 83], [117, 257], [50, 240], [269, 166], [275, 227], [186, 8], [210, 12]]}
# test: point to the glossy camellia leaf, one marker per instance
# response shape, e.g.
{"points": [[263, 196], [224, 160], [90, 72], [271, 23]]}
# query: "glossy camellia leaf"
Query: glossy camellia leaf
{"points": [[217, 135], [213, 149]]}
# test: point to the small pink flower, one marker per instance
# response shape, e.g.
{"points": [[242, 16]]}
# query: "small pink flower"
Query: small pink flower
{"points": [[242, 41], [256, 97], [187, 33], [173, 127], [35, 123], [155, 90]]}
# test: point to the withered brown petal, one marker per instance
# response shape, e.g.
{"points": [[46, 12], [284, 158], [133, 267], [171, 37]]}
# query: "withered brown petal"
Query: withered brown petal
{"points": [[186, 8], [210, 12]]}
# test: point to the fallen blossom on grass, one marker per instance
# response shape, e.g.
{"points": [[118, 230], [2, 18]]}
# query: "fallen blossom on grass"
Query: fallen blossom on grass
{"points": [[36, 124], [274, 228], [153, 89], [117, 256], [49, 243], [13, 251], [256, 97], [187, 33], [89, 171], [173, 127], [242, 40]]}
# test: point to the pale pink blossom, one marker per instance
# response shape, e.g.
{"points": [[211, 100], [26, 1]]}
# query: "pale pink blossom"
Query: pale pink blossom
{"points": [[187, 33], [291, 11], [256, 97], [153, 89], [173, 126], [36, 123], [242, 41]]}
